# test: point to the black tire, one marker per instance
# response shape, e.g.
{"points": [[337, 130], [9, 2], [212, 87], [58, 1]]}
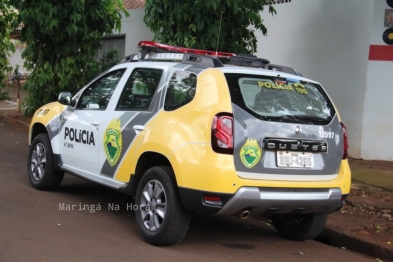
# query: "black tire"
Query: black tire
{"points": [[157, 227], [40, 165], [300, 227]]}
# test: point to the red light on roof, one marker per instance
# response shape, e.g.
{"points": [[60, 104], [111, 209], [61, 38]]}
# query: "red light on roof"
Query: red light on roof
{"points": [[150, 45], [147, 44]]}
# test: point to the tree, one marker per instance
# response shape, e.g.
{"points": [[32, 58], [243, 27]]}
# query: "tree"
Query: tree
{"points": [[7, 23], [109, 59], [196, 23], [62, 39]]}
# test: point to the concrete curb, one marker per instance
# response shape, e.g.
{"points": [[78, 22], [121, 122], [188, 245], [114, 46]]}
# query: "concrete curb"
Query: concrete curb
{"points": [[338, 238], [18, 123]]}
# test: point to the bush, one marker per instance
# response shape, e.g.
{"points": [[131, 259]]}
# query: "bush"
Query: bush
{"points": [[39, 96], [62, 38], [105, 62]]}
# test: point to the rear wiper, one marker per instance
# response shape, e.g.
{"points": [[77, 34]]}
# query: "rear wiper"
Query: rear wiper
{"points": [[311, 117], [297, 118], [286, 117]]}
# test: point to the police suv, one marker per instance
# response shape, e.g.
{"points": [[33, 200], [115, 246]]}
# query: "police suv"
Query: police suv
{"points": [[183, 132]]}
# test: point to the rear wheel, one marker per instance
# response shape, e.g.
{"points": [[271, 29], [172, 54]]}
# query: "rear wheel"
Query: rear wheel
{"points": [[40, 166], [299, 227], [161, 218]]}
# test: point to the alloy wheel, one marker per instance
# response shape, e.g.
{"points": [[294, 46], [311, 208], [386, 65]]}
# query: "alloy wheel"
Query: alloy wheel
{"points": [[153, 205], [38, 161]]}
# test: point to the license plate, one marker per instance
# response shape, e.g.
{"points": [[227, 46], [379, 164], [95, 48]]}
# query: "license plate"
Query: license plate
{"points": [[294, 159]]}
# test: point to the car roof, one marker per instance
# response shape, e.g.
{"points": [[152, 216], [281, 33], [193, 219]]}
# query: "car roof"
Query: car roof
{"points": [[197, 69], [261, 71]]}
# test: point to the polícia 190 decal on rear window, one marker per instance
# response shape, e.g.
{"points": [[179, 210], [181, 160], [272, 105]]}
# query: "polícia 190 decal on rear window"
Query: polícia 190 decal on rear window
{"points": [[296, 87]]}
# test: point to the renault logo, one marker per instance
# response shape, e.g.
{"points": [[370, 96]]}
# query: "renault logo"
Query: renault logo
{"points": [[298, 131]]}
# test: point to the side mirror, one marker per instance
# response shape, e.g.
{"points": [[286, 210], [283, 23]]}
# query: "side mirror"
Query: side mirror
{"points": [[65, 98]]}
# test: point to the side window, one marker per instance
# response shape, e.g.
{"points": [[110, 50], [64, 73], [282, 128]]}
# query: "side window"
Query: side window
{"points": [[98, 94], [139, 90], [181, 90]]}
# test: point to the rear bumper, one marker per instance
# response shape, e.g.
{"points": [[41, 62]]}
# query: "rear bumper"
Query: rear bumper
{"points": [[269, 201], [266, 201]]}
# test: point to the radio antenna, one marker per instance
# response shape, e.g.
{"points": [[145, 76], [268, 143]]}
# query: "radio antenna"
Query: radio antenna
{"points": [[219, 30]]}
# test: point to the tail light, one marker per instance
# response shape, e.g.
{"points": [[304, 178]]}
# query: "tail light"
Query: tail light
{"points": [[345, 141], [212, 200], [222, 133]]}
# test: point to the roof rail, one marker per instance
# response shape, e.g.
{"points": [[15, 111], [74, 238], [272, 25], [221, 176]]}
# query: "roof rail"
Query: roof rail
{"points": [[284, 69], [130, 58], [253, 61], [201, 60], [248, 60], [191, 59]]}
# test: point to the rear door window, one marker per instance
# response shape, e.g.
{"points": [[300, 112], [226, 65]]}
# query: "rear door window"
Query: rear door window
{"points": [[181, 90], [280, 99]]}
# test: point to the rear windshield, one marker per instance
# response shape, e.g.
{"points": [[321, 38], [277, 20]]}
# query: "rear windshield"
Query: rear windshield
{"points": [[280, 99]]}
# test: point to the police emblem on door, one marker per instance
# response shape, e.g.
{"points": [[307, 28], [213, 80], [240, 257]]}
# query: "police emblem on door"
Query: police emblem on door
{"points": [[113, 141], [250, 153]]}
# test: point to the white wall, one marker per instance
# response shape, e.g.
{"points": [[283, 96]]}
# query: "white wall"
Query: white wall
{"points": [[377, 139], [16, 58], [135, 30], [327, 41]]}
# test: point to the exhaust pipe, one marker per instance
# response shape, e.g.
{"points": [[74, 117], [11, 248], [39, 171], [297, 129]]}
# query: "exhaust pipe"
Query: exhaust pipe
{"points": [[243, 214]]}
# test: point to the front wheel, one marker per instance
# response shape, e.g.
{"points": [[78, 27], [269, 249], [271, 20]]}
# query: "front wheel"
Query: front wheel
{"points": [[40, 164], [299, 227], [161, 218]]}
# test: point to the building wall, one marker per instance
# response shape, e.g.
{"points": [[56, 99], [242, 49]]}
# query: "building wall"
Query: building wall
{"points": [[377, 128], [16, 58], [327, 41], [135, 30], [113, 42]]}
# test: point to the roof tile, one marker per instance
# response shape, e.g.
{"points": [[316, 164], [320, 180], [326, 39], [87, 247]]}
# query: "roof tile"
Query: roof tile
{"points": [[133, 4]]}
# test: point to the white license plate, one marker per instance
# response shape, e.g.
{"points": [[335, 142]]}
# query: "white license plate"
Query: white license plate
{"points": [[294, 159]]}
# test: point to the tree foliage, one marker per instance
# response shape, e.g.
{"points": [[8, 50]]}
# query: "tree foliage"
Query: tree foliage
{"points": [[62, 39], [105, 62], [196, 23], [7, 23]]}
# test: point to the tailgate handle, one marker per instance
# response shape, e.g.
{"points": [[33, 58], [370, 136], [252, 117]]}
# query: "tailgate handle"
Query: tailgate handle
{"points": [[138, 129]]}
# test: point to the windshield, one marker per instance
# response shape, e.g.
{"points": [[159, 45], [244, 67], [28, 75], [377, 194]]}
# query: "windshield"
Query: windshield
{"points": [[280, 99]]}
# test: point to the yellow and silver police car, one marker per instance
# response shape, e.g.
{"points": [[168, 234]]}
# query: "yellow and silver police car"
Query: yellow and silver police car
{"points": [[183, 132]]}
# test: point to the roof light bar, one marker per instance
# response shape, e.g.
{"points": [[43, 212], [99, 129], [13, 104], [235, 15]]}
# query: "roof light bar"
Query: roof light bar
{"points": [[153, 46]]}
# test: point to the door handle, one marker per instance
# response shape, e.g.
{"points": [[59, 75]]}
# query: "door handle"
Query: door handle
{"points": [[138, 129], [95, 124]]}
